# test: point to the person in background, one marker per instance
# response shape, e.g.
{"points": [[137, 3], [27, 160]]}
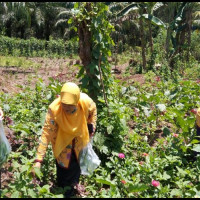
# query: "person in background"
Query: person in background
{"points": [[70, 122], [198, 123], [197, 112], [1, 113]]}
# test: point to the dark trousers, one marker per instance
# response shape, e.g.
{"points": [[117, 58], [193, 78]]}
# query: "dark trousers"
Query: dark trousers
{"points": [[68, 176], [198, 138]]}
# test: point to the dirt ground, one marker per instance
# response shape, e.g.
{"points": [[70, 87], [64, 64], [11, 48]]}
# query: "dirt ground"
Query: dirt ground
{"points": [[12, 76]]}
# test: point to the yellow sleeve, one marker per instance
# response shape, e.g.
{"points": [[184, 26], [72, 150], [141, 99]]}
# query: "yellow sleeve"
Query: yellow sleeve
{"points": [[49, 129], [90, 109], [198, 117], [92, 115]]}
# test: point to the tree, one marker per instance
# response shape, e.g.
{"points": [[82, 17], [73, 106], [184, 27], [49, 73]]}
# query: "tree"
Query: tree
{"points": [[144, 11], [26, 19], [151, 7], [90, 20], [15, 18], [45, 17], [62, 19]]}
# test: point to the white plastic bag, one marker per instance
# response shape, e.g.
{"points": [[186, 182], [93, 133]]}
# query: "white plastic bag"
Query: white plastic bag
{"points": [[5, 147], [88, 160]]}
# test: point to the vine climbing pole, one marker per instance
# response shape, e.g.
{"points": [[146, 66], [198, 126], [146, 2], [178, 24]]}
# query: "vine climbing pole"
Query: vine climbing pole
{"points": [[95, 42]]}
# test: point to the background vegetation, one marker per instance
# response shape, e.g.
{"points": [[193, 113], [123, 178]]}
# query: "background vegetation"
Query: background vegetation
{"points": [[146, 137]]}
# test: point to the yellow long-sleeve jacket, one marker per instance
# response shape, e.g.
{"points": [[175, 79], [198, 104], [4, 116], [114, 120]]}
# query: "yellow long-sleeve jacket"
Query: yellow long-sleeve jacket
{"points": [[49, 134], [198, 117]]}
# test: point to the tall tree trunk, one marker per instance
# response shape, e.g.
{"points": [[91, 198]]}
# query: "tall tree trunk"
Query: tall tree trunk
{"points": [[150, 36], [143, 44], [178, 43], [171, 14], [85, 48], [85, 42], [47, 31], [182, 40], [189, 21], [169, 31]]}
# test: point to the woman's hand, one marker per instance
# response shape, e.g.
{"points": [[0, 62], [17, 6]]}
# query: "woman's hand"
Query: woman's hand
{"points": [[38, 165]]}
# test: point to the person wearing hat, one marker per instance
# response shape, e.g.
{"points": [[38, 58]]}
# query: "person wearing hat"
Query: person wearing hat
{"points": [[70, 122]]}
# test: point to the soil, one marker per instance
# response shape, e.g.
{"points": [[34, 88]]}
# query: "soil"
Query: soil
{"points": [[12, 76]]}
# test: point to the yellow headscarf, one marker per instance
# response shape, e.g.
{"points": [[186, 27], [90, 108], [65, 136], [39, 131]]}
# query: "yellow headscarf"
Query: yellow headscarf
{"points": [[70, 93], [69, 125]]}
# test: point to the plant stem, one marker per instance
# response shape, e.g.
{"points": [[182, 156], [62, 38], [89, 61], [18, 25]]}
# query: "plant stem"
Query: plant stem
{"points": [[101, 77]]}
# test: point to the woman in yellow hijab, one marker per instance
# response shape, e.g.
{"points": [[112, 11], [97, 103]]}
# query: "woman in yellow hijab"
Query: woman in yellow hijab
{"points": [[70, 121]]}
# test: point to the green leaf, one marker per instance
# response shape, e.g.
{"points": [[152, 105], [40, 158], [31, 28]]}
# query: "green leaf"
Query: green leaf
{"points": [[15, 194], [166, 176], [109, 164], [196, 148], [49, 96], [76, 5], [154, 20], [109, 129], [166, 131], [32, 193], [24, 168], [84, 81], [92, 68], [106, 182], [99, 37], [104, 149], [127, 9], [6, 107], [81, 72], [137, 188], [194, 141], [38, 172], [45, 189], [70, 21], [146, 110], [181, 171], [176, 192], [161, 107]]}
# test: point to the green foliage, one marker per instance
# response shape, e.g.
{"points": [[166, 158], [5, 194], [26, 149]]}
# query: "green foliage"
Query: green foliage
{"points": [[155, 106], [33, 47], [159, 142], [100, 28]]}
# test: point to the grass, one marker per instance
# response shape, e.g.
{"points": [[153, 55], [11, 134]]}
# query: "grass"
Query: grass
{"points": [[21, 62]]}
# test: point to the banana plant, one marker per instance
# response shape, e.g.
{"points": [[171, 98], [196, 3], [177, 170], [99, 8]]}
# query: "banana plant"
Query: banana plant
{"points": [[144, 13]]}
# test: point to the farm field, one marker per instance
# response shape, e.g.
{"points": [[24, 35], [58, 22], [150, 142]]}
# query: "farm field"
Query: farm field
{"points": [[156, 135], [138, 61]]}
